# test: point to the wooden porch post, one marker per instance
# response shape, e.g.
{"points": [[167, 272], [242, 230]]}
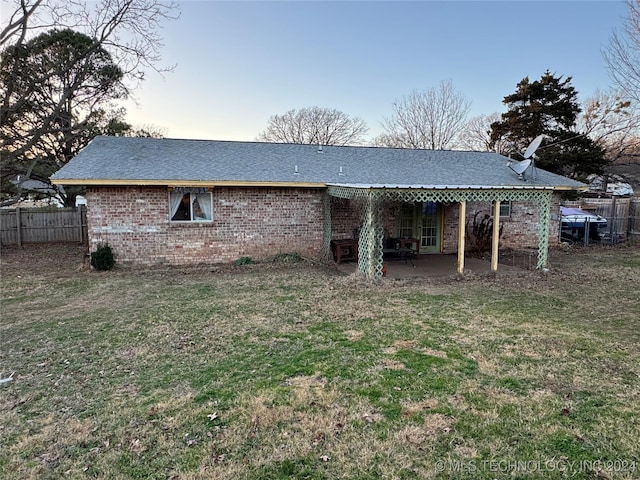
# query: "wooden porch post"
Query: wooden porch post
{"points": [[495, 237], [462, 220]]}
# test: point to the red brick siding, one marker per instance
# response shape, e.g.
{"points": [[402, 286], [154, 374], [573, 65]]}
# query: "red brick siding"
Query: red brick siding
{"points": [[259, 223], [253, 222], [344, 218], [450, 228], [519, 231]]}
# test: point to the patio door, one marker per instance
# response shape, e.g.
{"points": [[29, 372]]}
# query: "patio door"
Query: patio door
{"points": [[430, 231], [421, 221]]}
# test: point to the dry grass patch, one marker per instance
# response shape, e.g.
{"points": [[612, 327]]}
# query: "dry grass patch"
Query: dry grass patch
{"points": [[433, 353], [404, 344], [306, 420], [415, 408], [389, 364], [354, 335], [466, 452], [434, 423]]}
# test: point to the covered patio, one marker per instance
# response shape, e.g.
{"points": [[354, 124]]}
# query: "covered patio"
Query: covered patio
{"points": [[372, 200]]}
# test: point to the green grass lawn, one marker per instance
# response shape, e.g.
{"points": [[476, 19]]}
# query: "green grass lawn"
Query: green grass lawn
{"points": [[296, 371]]}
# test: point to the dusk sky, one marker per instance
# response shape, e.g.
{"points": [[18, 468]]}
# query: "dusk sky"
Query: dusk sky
{"points": [[239, 62]]}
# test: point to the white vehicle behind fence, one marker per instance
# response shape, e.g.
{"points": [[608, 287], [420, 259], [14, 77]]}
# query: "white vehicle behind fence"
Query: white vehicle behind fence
{"points": [[579, 226]]}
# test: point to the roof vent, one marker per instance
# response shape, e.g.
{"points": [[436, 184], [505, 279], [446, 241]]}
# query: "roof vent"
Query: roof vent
{"points": [[295, 170], [341, 172], [319, 148]]}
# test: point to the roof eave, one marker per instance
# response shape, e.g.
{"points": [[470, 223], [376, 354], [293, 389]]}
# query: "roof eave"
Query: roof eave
{"points": [[174, 183], [252, 183], [458, 187]]}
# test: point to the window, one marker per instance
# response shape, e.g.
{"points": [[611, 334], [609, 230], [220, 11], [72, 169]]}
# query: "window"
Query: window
{"points": [[406, 221], [190, 205], [429, 208], [430, 234], [505, 209]]}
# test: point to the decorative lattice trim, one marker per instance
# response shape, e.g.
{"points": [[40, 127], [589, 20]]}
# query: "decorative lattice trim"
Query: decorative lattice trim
{"points": [[371, 203]]}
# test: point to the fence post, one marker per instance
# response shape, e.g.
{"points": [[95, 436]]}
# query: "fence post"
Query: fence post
{"points": [[587, 230], [18, 226], [629, 220], [85, 225], [614, 219], [79, 220]]}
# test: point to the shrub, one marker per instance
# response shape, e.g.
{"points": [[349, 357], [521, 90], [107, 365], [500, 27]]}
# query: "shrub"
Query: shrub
{"points": [[243, 261], [102, 258]]}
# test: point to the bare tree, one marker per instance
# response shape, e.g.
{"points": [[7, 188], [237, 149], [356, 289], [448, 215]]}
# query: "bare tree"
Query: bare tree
{"points": [[127, 29], [428, 119], [476, 134], [623, 53], [314, 125], [126, 32], [611, 121]]}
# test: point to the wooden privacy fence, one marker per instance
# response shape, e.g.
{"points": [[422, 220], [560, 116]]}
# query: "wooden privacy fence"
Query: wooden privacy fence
{"points": [[31, 225], [634, 218]]}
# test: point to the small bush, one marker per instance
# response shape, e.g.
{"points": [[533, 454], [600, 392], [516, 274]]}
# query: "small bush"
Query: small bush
{"points": [[102, 258], [243, 261]]}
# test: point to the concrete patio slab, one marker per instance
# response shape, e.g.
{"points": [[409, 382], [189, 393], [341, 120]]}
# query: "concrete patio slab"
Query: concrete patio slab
{"points": [[435, 265]]}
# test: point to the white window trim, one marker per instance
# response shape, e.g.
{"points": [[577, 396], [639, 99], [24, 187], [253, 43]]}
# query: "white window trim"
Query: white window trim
{"points": [[192, 194], [507, 205]]}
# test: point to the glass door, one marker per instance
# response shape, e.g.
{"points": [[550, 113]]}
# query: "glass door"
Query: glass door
{"points": [[430, 228], [406, 221]]}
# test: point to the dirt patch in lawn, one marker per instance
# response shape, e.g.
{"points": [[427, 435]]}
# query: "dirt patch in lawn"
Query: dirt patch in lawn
{"points": [[63, 259], [55, 258], [565, 263]]}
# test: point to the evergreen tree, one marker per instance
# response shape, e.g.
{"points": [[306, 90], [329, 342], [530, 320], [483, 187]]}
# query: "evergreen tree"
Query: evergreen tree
{"points": [[548, 106], [58, 85], [62, 64]]}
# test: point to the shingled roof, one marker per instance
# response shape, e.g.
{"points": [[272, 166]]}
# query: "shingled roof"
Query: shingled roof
{"points": [[152, 161]]}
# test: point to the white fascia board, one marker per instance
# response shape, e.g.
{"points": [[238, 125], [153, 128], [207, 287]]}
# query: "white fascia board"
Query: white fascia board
{"points": [[441, 187]]}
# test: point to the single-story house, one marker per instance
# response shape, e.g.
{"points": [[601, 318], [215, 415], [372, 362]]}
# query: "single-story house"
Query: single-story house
{"points": [[170, 201]]}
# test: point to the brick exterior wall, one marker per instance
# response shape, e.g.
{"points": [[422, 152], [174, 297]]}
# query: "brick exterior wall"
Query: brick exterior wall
{"points": [[344, 218], [253, 222], [259, 223], [519, 231]]}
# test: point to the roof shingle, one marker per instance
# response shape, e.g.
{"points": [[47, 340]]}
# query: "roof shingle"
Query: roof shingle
{"points": [[125, 160]]}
